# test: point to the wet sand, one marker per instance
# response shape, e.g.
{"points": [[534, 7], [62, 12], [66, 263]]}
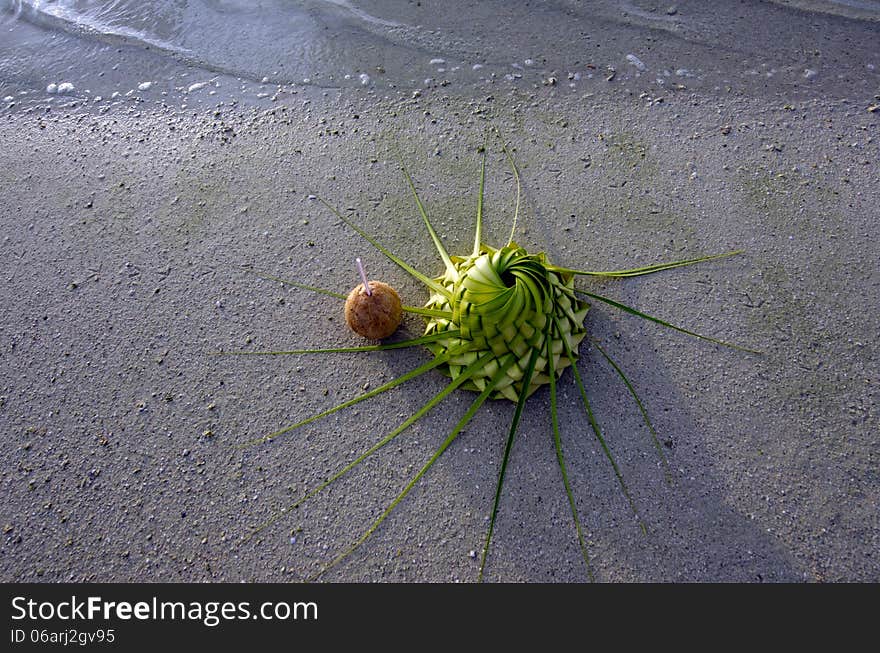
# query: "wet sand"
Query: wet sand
{"points": [[124, 233]]}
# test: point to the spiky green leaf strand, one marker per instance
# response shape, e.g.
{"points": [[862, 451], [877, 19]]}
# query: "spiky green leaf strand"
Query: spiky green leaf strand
{"points": [[560, 458], [657, 320], [417, 310], [647, 420], [508, 447], [478, 228], [512, 163], [647, 269], [438, 244], [401, 344], [597, 432], [430, 365], [421, 412], [415, 274], [504, 365]]}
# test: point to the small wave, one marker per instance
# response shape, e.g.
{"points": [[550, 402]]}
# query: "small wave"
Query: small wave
{"points": [[64, 17], [859, 9], [364, 15], [285, 40]]}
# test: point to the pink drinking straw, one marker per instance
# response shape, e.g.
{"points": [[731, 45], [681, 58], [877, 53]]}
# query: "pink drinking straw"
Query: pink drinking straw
{"points": [[363, 276]]}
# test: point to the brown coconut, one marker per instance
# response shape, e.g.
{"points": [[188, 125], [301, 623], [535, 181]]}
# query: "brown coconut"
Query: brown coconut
{"points": [[374, 316]]}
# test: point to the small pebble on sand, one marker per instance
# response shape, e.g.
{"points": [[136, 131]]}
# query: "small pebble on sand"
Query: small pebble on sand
{"points": [[635, 61]]}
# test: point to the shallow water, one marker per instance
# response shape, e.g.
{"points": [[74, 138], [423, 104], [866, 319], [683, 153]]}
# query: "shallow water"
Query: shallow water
{"points": [[194, 50]]}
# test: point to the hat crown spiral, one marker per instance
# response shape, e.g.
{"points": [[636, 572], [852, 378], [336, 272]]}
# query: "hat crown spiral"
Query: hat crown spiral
{"points": [[507, 302]]}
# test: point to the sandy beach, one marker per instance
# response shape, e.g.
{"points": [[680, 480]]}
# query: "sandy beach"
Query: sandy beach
{"points": [[130, 231]]}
